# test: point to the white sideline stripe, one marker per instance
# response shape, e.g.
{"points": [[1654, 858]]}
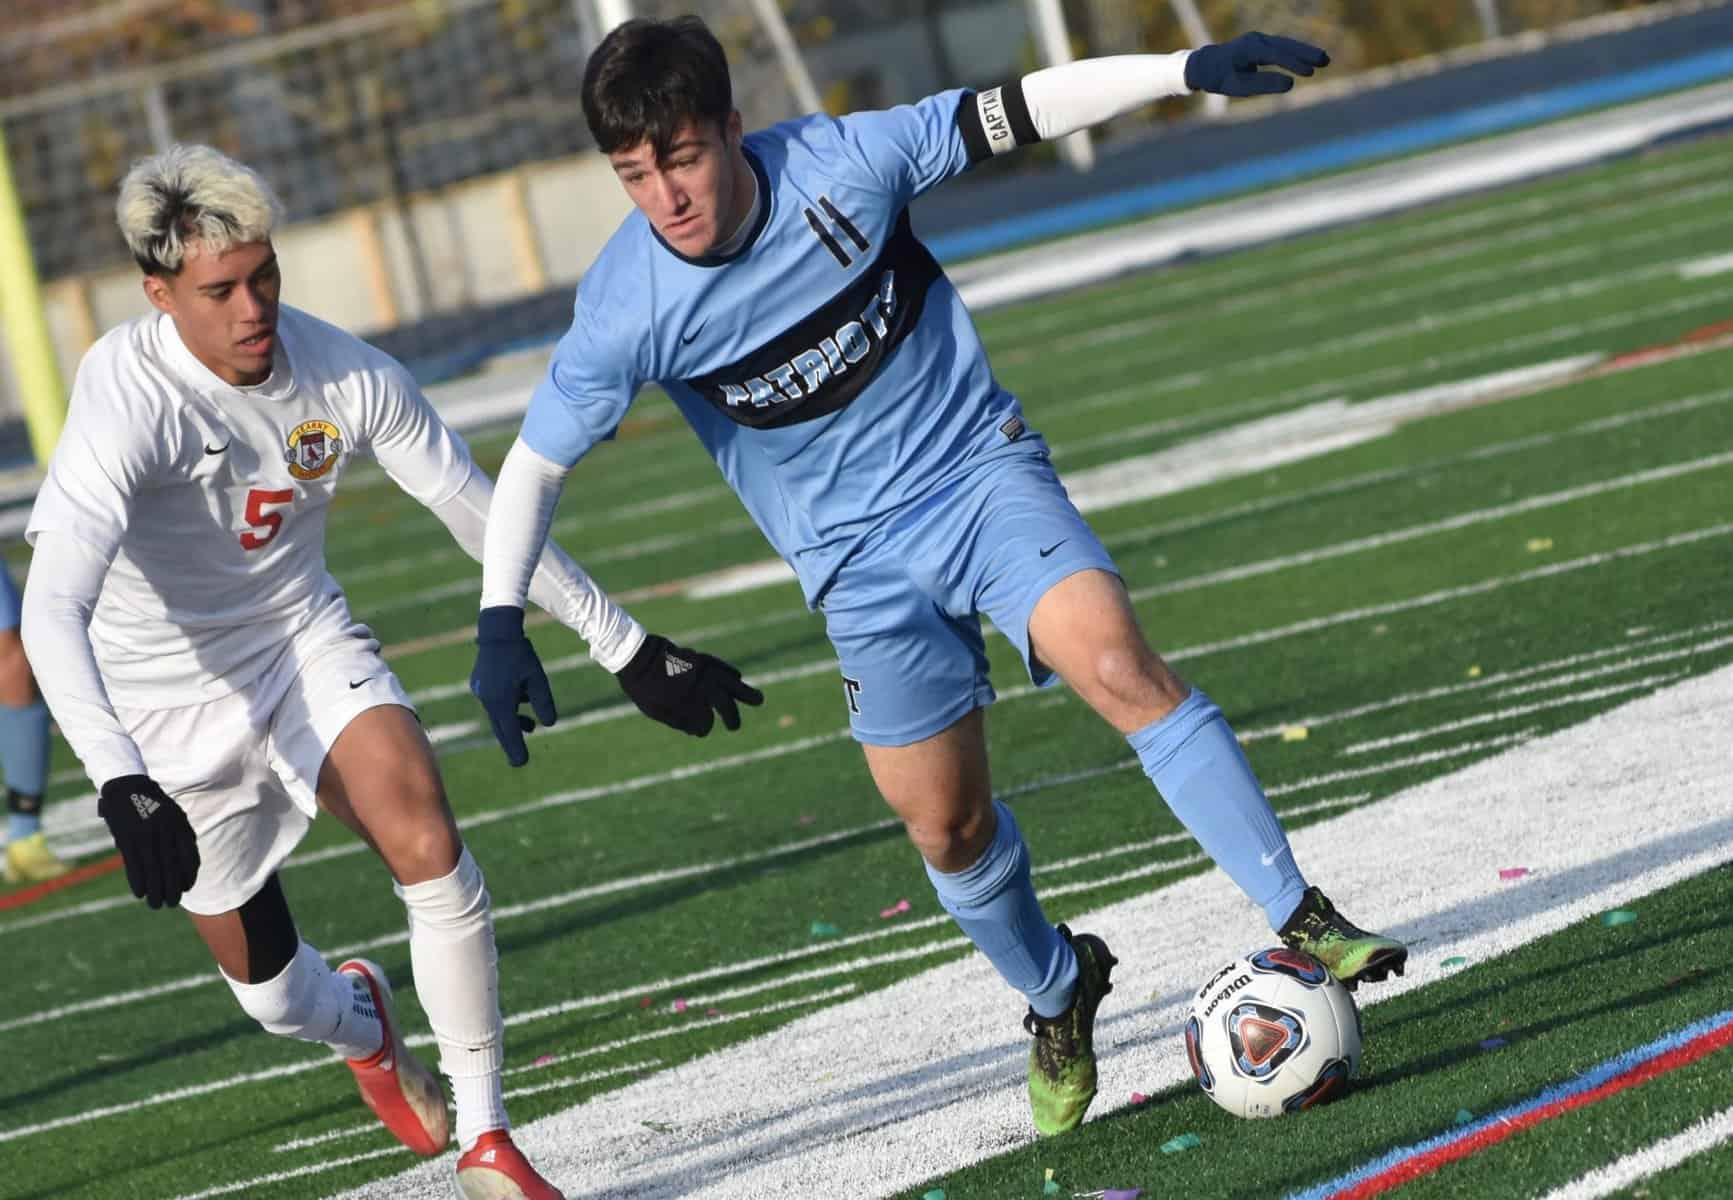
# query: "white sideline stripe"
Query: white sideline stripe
{"points": [[1617, 668], [677, 1030], [1699, 1138], [1287, 212], [879, 1094], [229, 1189], [1702, 268], [1377, 242], [1506, 714], [570, 1081]]}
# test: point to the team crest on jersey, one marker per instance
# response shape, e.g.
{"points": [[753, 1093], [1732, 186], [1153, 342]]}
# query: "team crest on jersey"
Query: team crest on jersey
{"points": [[313, 449]]}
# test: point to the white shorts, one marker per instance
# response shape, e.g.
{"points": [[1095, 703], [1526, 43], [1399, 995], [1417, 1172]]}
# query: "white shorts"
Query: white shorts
{"points": [[246, 767]]}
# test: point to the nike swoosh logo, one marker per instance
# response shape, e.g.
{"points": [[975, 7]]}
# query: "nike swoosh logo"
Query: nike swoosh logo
{"points": [[1054, 547], [1269, 859], [216, 449], [357, 683], [687, 341]]}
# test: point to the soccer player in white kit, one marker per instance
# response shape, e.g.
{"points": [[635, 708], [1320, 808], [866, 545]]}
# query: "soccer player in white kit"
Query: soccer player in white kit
{"points": [[205, 668]]}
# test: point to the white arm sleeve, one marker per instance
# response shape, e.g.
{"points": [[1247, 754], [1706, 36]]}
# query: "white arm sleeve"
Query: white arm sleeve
{"points": [[559, 584], [1059, 100], [66, 575], [525, 496]]}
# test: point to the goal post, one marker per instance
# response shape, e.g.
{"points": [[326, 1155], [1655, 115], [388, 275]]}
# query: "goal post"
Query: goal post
{"points": [[30, 349]]}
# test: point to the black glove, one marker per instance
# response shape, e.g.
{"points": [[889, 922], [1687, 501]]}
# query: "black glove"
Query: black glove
{"points": [[154, 837], [683, 688], [508, 673], [1231, 69]]}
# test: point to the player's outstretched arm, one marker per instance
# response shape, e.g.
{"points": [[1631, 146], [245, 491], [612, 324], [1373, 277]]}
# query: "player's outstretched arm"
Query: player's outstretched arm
{"points": [[1056, 101], [684, 689], [155, 840]]}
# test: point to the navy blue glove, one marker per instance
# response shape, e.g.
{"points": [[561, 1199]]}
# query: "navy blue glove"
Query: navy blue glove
{"points": [[1231, 69], [154, 838], [685, 689], [508, 673]]}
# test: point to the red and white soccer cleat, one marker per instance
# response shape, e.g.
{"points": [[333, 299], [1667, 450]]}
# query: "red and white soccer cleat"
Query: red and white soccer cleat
{"points": [[495, 1169], [401, 1092]]}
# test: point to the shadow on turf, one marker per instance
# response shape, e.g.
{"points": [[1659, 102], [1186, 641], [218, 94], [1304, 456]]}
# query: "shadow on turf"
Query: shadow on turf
{"points": [[198, 1155]]}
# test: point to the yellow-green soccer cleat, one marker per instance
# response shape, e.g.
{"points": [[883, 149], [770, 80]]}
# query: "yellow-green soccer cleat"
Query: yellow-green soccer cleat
{"points": [[1062, 1060], [1353, 955], [29, 860]]}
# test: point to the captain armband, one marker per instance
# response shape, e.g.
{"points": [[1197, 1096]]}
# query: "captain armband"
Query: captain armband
{"points": [[995, 121]]}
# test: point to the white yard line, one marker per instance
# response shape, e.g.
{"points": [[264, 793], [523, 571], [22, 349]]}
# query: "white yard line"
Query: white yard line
{"points": [[1399, 764], [571, 1081], [1524, 220], [247, 1185], [1702, 268], [879, 1094], [1700, 1138], [1499, 716]]}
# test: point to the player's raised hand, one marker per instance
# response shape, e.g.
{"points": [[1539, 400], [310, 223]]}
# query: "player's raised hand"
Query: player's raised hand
{"points": [[508, 673], [1231, 69], [154, 837], [685, 689]]}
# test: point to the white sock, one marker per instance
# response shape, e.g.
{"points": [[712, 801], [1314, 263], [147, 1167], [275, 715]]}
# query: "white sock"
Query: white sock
{"points": [[457, 978], [310, 1001]]}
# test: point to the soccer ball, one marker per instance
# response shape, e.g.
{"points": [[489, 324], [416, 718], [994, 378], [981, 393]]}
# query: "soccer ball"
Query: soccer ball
{"points": [[1272, 1033]]}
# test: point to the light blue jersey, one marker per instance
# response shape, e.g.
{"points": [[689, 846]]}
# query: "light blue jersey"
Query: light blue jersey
{"points": [[828, 366]]}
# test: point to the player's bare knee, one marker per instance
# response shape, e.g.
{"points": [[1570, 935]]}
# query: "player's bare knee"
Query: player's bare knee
{"points": [[17, 685], [951, 842], [1132, 676]]}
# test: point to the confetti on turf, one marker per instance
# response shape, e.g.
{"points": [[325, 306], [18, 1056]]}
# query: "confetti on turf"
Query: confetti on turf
{"points": [[679, 1006], [646, 1001], [1050, 1188], [824, 929], [1619, 916], [805, 819], [1537, 545], [1463, 1116], [1473, 672], [1047, 1175], [1121, 1194], [785, 721], [895, 910], [1184, 1141], [546, 1060], [935, 1194], [1512, 872], [713, 1012], [1295, 733], [1455, 960], [1138, 1097], [1493, 1043]]}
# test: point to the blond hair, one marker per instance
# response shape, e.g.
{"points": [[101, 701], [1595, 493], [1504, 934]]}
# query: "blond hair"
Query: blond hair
{"points": [[191, 193]]}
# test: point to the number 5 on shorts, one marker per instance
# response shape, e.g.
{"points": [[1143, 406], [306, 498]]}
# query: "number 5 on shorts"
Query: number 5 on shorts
{"points": [[258, 518]]}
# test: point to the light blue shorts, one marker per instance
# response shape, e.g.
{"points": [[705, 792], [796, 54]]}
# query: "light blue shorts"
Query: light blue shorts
{"points": [[904, 611]]}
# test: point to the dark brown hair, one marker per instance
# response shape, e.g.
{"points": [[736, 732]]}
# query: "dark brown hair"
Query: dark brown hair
{"points": [[648, 78]]}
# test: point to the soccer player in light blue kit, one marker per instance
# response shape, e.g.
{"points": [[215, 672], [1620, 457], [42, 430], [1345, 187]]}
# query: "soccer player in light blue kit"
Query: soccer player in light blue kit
{"points": [[23, 752], [772, 284]]}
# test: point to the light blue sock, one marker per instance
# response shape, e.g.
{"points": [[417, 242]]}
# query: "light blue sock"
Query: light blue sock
{"points": [[24, 747], [1198, 767], [994, 903], [24, 759]]}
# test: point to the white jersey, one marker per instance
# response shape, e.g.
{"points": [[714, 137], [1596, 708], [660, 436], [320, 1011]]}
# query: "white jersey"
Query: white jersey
{"points": [[213, 498]]}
